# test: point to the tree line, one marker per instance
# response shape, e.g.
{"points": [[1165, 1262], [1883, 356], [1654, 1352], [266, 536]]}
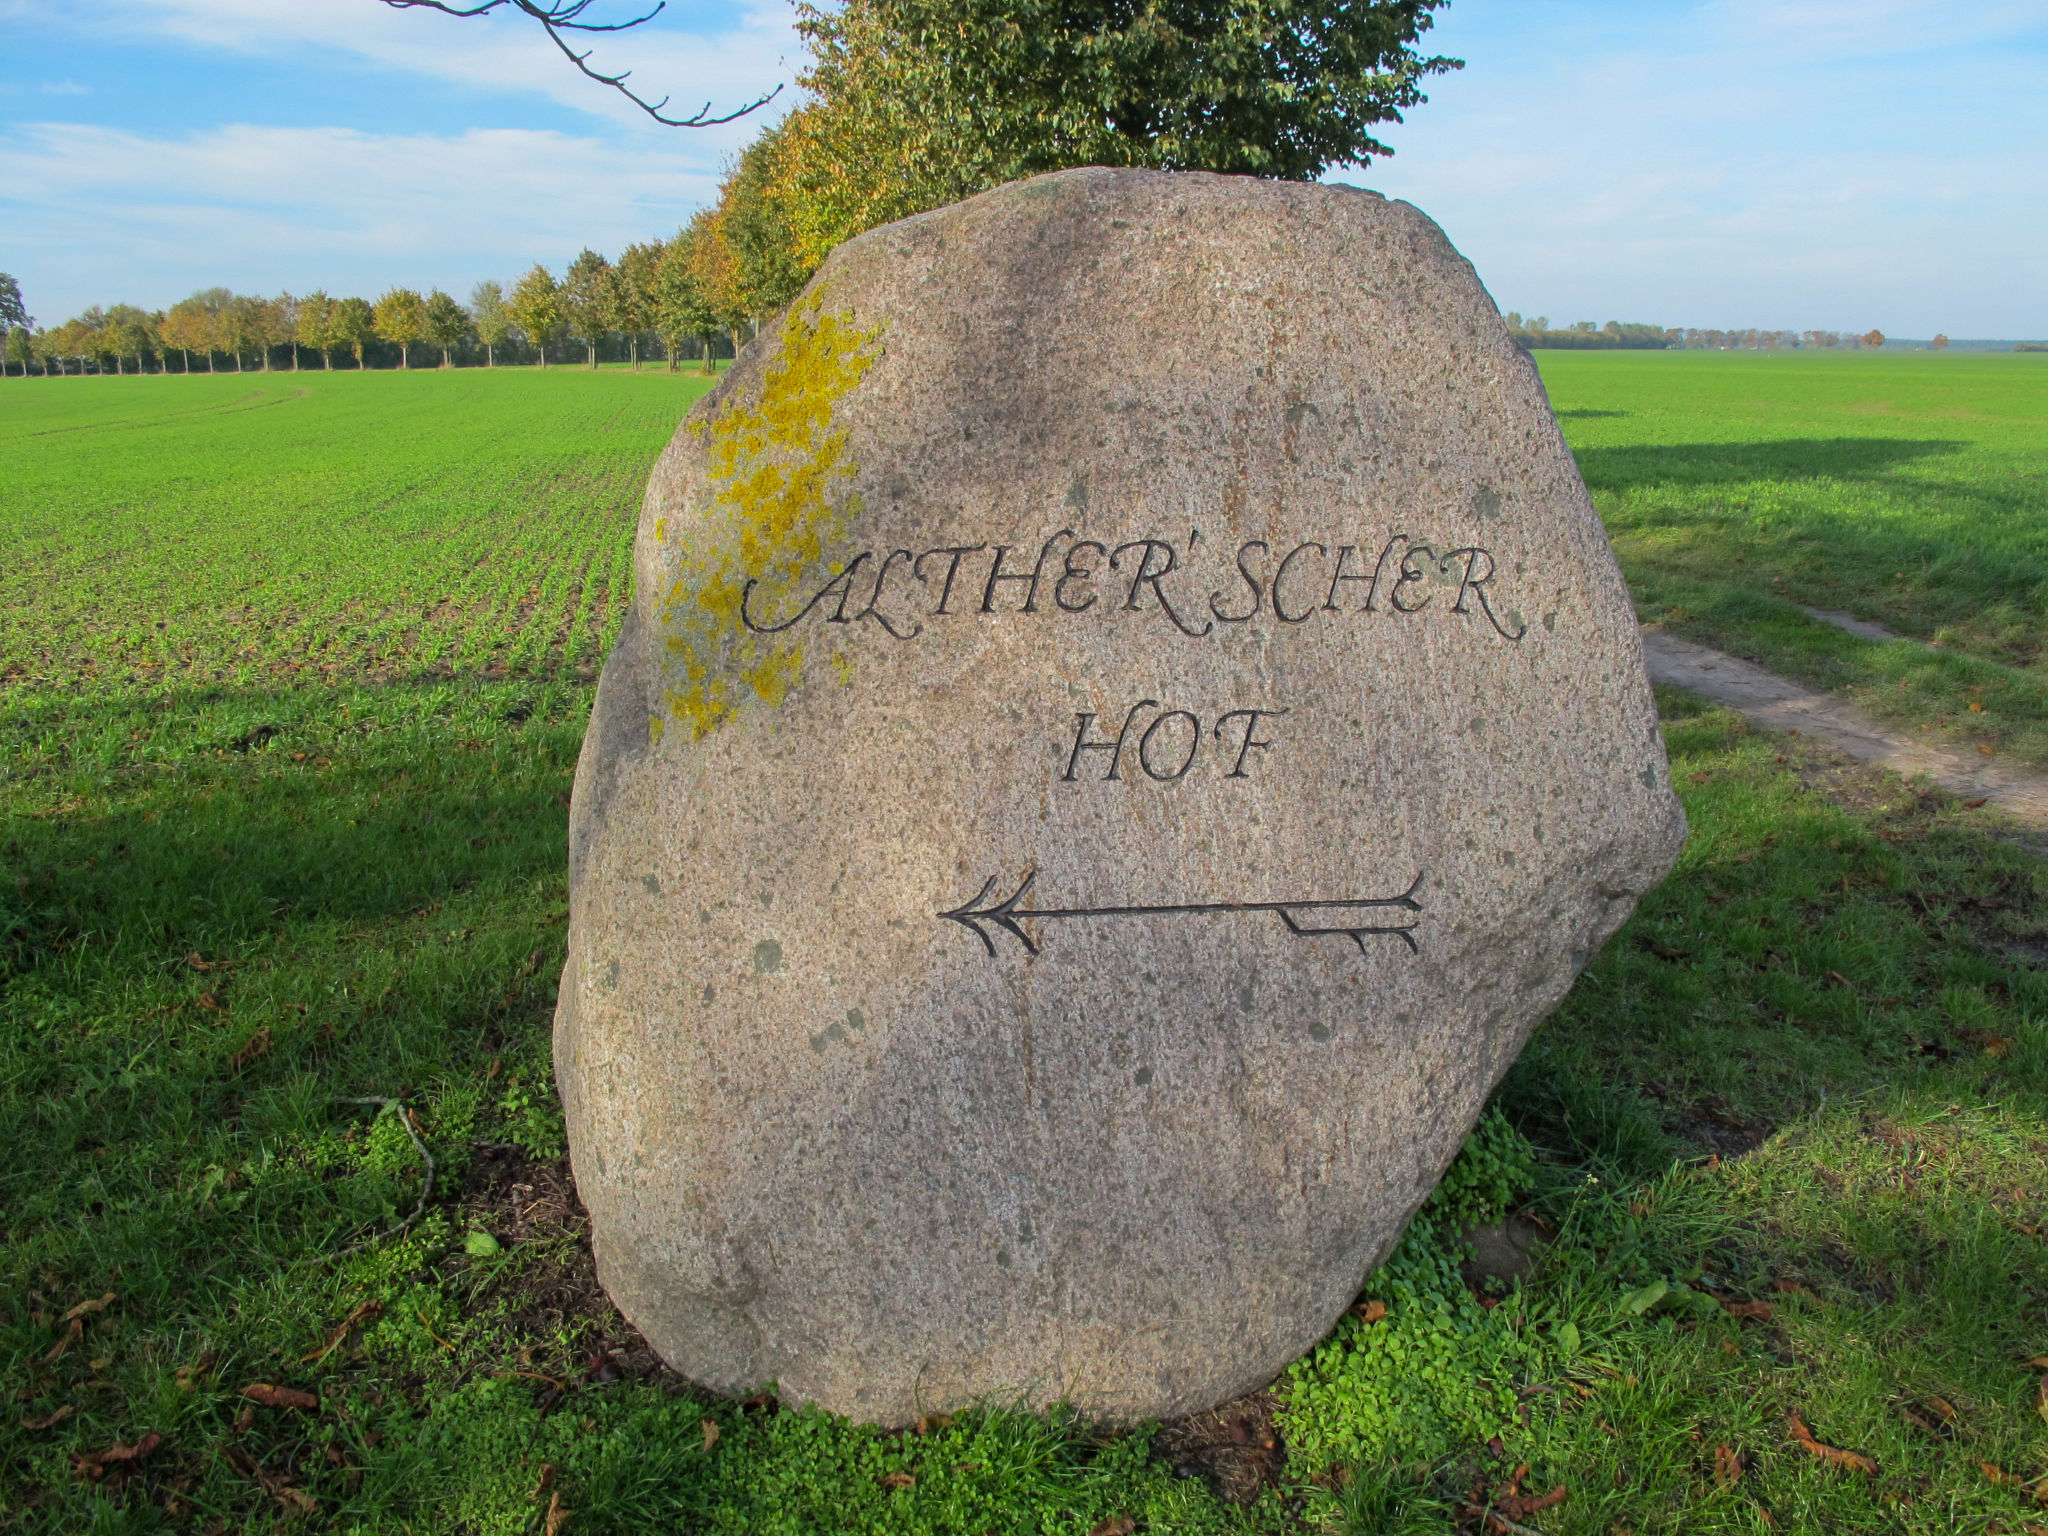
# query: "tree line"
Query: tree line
{"points": [[650, 302], [1618, 335]]}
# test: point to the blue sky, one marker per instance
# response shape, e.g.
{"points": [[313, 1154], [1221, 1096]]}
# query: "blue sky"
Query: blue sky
{"points": [[1780, 163]]}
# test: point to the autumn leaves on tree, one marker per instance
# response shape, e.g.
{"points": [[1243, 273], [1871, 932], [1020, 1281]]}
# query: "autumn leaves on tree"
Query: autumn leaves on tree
{"points": [[912, 104]]}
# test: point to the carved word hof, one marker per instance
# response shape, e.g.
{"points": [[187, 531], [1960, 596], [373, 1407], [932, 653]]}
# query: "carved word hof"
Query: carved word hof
{"points": [[901, 589]]}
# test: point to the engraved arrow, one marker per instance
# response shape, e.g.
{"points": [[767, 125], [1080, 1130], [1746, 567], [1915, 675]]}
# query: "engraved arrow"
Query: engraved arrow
{"points": [[1307, 919]]}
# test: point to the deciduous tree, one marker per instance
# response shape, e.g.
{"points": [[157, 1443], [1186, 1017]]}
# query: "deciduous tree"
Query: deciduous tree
{"points": [[13, 317], [354, 323], [315, 326], [493, 320], [584, 300], [537, 308], [916, 103], [679, 307], [629, 294], [281, 328], [447, 323], [401, 318]]}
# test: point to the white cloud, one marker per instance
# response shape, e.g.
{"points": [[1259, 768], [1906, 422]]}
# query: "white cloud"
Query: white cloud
{"points": [[98, 215], [726, 66]]}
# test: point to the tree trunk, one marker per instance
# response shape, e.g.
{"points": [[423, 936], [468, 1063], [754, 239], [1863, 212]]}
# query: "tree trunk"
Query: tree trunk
{"points": [[543, 353], [490, 357], [633, 342], [209, 364], [404, 355], [444, 359], [591, 348]]}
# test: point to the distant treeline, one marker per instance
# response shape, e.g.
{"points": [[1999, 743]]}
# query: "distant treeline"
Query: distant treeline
{"points": [[1618, 335], [653, 302]]}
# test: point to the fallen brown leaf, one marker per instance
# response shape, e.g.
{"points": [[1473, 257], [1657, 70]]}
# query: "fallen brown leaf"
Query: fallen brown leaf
{"points": [[57, 1416], [547, 1481], [86, 1308], [71, 1336], [1759, 1310], [1975, 804], [1121, 1525], [1370, 1311], [1833, 1455], [92, 1467], [899, 1480], [258, 1046], [297, 1499], [558, 1514], [1792, 1288], [1943, 1409], [2039, 1362], [710, 1434], [1727, 1466], [1531, 1504], [265, 1395]]}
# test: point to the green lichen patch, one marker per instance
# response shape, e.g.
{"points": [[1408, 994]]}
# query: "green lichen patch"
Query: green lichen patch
{"points": [[779, 468]]}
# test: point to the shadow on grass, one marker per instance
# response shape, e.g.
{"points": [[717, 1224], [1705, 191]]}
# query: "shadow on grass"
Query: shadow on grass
{"points": [[1626, 466], [241, 814]]}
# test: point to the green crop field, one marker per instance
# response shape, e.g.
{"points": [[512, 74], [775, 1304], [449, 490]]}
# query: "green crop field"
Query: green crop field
{"points": [[292, 676], [1744, 488]]}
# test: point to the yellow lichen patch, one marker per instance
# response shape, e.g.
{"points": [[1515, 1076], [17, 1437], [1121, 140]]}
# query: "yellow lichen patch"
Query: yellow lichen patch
{"points": [[775, 466]]}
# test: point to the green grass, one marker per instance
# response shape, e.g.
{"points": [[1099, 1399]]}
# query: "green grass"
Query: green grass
{"points": [[247, 886], [1743, 487]]}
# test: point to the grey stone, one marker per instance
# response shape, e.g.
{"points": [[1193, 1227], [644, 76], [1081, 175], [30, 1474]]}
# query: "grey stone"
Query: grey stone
{"points": [[951, 1052], [1503, 1250]]}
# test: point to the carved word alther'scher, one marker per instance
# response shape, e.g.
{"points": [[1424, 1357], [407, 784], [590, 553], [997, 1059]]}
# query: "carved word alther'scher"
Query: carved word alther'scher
{"points": [[1073, 575]]}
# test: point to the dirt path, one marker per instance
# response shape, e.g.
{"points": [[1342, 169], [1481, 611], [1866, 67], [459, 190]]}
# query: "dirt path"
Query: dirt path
{"points": [[1779, 704]]}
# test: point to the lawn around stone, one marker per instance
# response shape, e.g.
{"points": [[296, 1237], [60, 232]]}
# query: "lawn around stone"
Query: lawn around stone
{"points": [[303, 847]]}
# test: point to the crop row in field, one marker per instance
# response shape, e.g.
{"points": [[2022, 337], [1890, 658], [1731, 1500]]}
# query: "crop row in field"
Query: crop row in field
{"points": [[233, 531]]}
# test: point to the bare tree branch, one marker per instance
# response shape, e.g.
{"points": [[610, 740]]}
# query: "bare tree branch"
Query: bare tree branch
{"points": [[559, 16]]}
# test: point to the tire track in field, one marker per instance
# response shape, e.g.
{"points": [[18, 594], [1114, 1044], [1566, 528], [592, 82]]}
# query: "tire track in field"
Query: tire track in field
{"points": [[1778, 704]]}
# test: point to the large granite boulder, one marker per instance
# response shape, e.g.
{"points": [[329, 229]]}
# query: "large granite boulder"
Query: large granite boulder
{"points": [[1127, 720]]}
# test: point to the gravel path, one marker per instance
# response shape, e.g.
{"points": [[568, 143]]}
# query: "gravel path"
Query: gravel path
{"points": [[1779, 704]]}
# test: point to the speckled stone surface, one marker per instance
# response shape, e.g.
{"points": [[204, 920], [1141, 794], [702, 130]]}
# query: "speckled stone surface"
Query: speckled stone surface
{"points": [[1197, 557]]}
